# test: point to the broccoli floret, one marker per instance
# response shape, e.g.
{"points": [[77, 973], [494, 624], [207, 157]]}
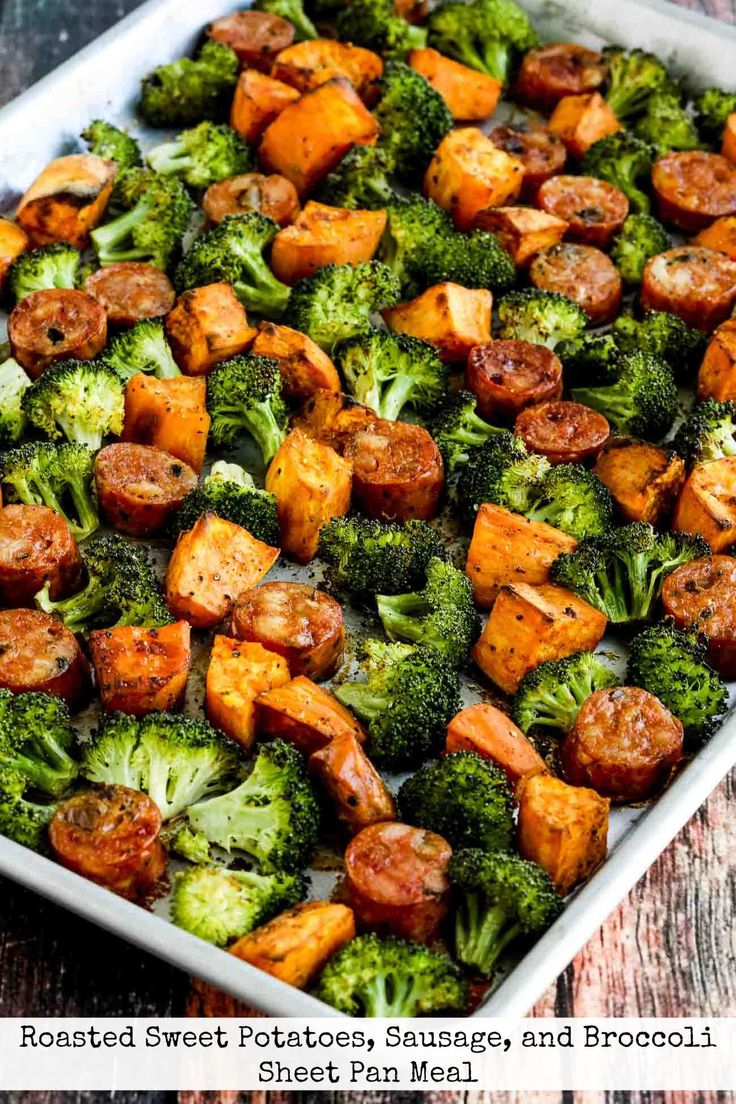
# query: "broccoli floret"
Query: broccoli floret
{"points": [[708, 433], [156, 214], [57, 476], [375, 977], [410, 695], [234, 499], [13, 384], [590, 359], [500, 898], [202, 155], [81, 400], [221, 905], [36, 738], [359, 182], [413, 117], [376, 25], [121, 589], [244, 396], [464, 798], [22, 820], [501, 471], [643, 400], [366, 557], [272, 817], [485, 34], [412, 223], [294, 12], [338, 301], [622, 572], [671, 665], [190, 89], [458, 430], [552, 694], [440, 616], [639, 238], [633, 76], [51, 266], [175, 760], [106, 140], [542, 317], [712, 108], [475, 260], [389, 371], [142, 348], [662, 335], [624, 160], [667, 125], [233, 252], [574, 500]]}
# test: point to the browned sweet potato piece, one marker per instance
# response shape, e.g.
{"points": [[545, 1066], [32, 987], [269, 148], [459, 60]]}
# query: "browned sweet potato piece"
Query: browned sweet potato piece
{"points": [[207, 324], [238, 672], [720, 235], [352, 786], [306, 715], [13, 242], [295, 945], [333, 418], [717, 375], [305, 368], [470, 95], [140, 670], [522, 231], [169, 414], [306, 65], [67, 199], [258, 100], [643, 479], [728, 145], [707, 504], [491, 734], [324, 235], [582, 120], [468, 174], [452, 318]]}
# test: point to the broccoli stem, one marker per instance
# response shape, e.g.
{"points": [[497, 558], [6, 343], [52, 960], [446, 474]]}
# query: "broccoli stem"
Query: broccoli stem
{"points": [[482, 934], [266, 295], [396, 396], [496, 60], [390, 996], [170, 157], [401, 616], [358, 697], [111, 234], [261, 423], [79, 610]]}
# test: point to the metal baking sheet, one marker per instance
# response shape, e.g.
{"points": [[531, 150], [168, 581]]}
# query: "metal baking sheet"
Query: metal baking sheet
{"points": [[102, 80]]}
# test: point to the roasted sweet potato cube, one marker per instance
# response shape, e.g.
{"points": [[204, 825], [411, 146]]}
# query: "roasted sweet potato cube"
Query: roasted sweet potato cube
{"points": [[13, 241], [452, 318], [333, 418], [468, 173], [212, 564], [170, 414], [257, 101], [312, 484], [306, 715], [351, 784], [238, 672], [717, 375], [562, 828], [324, 235], [140, 670], [470, 95], [296, 944], [67, 199], [206, 325], [529, 625], [305, 368], [582, 120], [707, 504], [644, 480], [522, 231], [493, 735], [507, 548], [720, 235], [728, 144], [307, 65]]}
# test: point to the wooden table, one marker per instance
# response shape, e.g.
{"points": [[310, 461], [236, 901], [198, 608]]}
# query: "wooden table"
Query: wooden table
{"points": [[668, 950]]}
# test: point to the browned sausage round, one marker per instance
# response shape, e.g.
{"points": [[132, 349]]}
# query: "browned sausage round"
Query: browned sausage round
{"points": [[507, 376], [397, 472], [54, 324], [36, 547], [273, 196], [564, 432], [694, 188], [110, 835], [542, 154], [38, 653], [701, 596], [139, 486], [696, 283], [594, 208], [582, 273], [396, 880], [130, 291], [256, 37], [353, 787], [295, 620], [624, 744], [559, 69]]}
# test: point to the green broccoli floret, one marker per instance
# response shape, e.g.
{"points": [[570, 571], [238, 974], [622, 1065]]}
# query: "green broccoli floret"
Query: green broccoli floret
{"points": [[376, 25], [643, 400], [338, 301], [375, 977], [667, 125], [221, 905], [413, 118], [475, 260], [121, 589], [622, 572], [410, 695], [272, 817], [22, 820], [359, 182], [202, 155], [108, 141], [552, 694], [175, 760], [590, 359], [412, 223], [244, 396], [639, 238], [708, 433], [458, 430], [671, 665], [487, 35], [624, 160], [13, 384], [57, 476], [712, 108], [501, 471], [662, 335], [292, 10], [234, 497], [142, 348], [36, 738], [440, 616], [51, 266], [499, 899], [574, 500], [156, 215], [366, 557], [633, 77], [464, 798], [188, 90], [389, 371], [81, 400], [542, 317]]}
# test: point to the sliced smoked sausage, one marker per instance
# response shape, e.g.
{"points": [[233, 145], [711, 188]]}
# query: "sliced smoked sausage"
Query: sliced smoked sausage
{"points": [[131, 291], [273, 196], [694, 188], [582, 273], [353, 787], [624, 744], [396, 880], [542, 154], [594, 209], [39, 653], [55, 324], [36, 548], [701, 596], [696, 283], [110, 835], [564, 432], [295, 620], [138, 486], [558, 69], [256, 37], [397, 472], [507, 376]]}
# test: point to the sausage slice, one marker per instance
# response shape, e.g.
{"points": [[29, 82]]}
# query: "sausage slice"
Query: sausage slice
{"points": [[507, 376], [256, 37], [55, 324], [138, 486], [36, 547], [594, 209], [542, 154], [39, 653], [548, 73], [273, 196], [397, 471], [564, 432], [696, 283], [693, 188], [582, 273], [701, 596], [131, 291], [352, 785]]}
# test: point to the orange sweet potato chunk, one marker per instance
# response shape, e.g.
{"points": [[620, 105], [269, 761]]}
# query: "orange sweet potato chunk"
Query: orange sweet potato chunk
{"points": [[468, 173], [238, 673]]}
